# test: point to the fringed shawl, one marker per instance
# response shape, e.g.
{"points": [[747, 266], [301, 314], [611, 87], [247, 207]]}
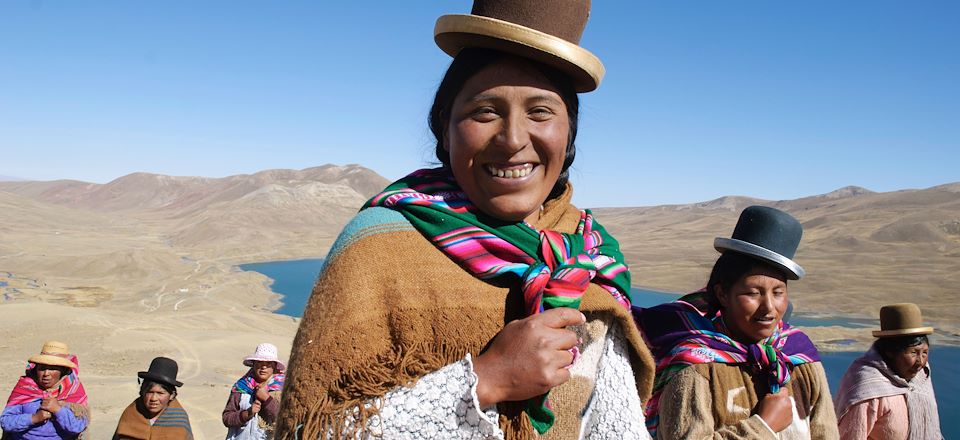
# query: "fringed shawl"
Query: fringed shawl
{"points": [[869, 377], [389, 307]]}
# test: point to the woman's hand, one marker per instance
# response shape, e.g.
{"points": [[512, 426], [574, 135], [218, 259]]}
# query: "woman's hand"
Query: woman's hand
{"points": [[50, 404], [528, 357], [262, 393], [776, 410], [40, 416], [253, 410]]}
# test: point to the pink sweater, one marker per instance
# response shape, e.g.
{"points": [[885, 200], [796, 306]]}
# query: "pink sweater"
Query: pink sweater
{"points": [[883, 418]]}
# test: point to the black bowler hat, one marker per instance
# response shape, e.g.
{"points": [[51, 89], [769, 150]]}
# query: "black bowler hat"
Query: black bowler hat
{"points": [[768, 234], [163, 370]]}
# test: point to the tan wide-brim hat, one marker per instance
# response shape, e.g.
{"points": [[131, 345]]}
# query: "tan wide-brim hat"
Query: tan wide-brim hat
{"points": [[547, 31], [902, 319], [53, 353]]}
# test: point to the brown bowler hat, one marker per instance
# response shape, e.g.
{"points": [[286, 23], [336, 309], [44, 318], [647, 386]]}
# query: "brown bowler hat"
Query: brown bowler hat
{"points": [[901, 320], [547, 31]]}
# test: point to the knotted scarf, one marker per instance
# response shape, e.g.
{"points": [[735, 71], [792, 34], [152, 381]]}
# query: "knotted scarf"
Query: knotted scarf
{"points": [[689, 332], [553, 268], [248, 384]]}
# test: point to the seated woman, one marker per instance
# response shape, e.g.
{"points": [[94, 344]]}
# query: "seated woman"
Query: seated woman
{"points": [[156, 414], [474, 300], [887, 394], [254, 401], [728, 366], [48, 402]]}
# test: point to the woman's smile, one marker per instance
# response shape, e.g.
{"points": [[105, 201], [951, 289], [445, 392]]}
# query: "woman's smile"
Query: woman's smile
{"points": [[511, 172]]}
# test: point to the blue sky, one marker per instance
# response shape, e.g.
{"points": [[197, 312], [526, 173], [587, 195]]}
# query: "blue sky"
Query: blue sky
{"points": [[702, 99]]}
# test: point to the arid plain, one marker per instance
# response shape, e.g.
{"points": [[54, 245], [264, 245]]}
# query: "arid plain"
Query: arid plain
{"points": [[146, 266]]}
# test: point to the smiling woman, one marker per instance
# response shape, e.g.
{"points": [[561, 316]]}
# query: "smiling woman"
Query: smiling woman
{"points": [[474, 300], [728, 366]]}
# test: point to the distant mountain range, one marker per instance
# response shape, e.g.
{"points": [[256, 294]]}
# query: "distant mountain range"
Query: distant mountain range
{"points": [[860, 248]]}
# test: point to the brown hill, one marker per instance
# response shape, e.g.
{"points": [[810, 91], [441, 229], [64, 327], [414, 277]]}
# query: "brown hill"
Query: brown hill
{"points": [[177, 196], [861, 249]]}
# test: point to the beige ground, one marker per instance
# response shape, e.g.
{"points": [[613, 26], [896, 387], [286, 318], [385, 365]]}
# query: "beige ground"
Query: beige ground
{"points": [[145, 266]]}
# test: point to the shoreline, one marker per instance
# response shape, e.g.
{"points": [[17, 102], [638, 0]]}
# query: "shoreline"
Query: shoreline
{"points": [[828, 338]]}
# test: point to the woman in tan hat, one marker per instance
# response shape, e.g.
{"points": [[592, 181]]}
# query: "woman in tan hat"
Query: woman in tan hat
{"points": [[156, 414], [251, 411], [48, 402], [887, 394], [474, 300], [728, 366]]}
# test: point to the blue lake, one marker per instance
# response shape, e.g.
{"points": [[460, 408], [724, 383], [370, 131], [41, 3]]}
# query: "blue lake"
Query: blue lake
{"points": [[294, 280]]}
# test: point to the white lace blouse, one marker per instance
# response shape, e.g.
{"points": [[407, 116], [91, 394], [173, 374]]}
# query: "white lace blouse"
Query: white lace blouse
{"points": [[444, 405]]}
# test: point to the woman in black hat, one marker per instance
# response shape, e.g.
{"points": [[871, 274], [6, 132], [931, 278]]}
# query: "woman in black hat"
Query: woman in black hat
{"points": [[156, 414], [728, 366], [887, 394], [474, 300]]}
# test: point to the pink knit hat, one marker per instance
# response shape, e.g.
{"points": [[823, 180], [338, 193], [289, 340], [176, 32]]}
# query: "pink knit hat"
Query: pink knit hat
{"points": [[265, 352]]}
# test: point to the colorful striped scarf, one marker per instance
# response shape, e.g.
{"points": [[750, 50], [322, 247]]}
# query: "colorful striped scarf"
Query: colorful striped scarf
{"points": [[69, 389], [553, 268], [248, 384], [172, 423], [688, 332]]}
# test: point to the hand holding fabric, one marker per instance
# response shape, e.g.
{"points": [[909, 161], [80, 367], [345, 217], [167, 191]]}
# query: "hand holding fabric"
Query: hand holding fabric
{"points": [[262, 393], [50, 404], [528, 357], [40, 416], [776, 409]]}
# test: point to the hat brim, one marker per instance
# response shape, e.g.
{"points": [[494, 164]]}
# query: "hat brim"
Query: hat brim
{"points": [[790, 268], [158, 378], [455, 32], [47, 359], [903, 332], [248, 361]]}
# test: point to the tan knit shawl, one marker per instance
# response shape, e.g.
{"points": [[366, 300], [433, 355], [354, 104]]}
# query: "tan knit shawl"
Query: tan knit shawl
{"points": [[389, 307]]}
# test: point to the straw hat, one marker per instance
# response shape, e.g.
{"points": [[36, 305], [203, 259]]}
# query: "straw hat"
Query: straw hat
{"points": [[53, 353], [265, 352], [902, 319], [547, 31], [768, 234]]}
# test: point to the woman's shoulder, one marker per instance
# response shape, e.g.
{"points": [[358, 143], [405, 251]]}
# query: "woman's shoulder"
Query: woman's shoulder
{"points": [[371, 221]]}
